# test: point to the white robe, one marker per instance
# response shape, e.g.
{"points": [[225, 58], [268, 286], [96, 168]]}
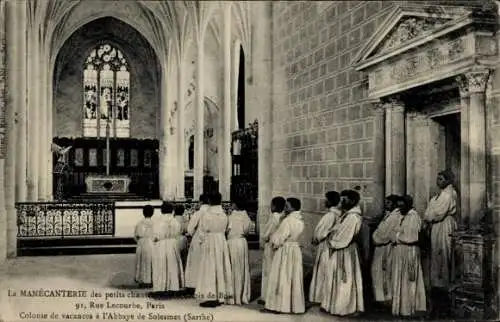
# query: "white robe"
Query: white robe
{"points": [[239, 225], [382, 256], [144, 233], [285, 289], [323, 228], [168, 274], [344, 284], [271, 226], [215, 280], [440, 213], [193, 258], [408, 280]]}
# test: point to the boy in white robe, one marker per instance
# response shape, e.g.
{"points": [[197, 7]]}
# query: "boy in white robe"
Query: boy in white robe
{"points": [[382, 255], [285, 289], [440, 219], [168, 273], [239, 225], [323, 229], [144, 233], [272, 224], [214, 285], [344, 284], [193, 258], [407, 279]]}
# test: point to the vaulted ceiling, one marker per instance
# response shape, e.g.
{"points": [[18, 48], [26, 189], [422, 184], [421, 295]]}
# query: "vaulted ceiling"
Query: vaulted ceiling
{"points": [[171, 27]]}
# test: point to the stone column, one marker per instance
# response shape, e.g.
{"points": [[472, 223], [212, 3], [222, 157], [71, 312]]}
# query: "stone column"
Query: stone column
{"points": [[225, 150], [397, 163], [379, 147], [181, 124], [164, 135], [463, 85], [199, 137], [3, 186], [13, 54], [477, 81], [261, 87], [20, 102], [49, 112], [34, 115], [45, 138]]}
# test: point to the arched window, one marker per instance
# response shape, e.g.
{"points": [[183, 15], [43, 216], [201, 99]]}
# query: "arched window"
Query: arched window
{"points": [[106, 87]]}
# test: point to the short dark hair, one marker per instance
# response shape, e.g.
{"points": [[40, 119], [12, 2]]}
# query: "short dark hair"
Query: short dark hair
{"points": [[447, 174], [179, 210], [278, 203], [353, 197], [407, 200], [393, 198], [294, 203], [204, 198], [167, 208], [240, 204], [148, 211], [216, 199], [333, 198]]}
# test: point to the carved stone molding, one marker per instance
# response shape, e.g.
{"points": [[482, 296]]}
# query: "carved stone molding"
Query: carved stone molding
{"points": [[408, 29], [477, 80], [463, 85]]}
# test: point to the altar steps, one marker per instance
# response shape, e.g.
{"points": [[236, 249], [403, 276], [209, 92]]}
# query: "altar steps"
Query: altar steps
{"points": [[116, 196], [86, 246]]}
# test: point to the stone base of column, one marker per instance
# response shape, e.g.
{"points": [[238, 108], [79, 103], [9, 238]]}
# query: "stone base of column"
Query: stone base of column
{"points": [[473, 295]]}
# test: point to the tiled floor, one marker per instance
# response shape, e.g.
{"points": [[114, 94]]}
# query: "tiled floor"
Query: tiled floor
{"points": [[111, 275]]}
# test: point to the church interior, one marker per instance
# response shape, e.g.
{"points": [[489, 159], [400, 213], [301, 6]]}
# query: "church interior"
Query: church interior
{"points": [[108, 105]]}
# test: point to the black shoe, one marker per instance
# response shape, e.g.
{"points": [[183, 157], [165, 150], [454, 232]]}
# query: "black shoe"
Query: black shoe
{"points": [[322, 310], [210, 304], [269, 311], [261, 302]]}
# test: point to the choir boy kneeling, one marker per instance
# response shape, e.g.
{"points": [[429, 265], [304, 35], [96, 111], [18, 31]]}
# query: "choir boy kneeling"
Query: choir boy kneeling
{"points": [[143, 235], [239, 225], [168, 273], [285, 289]]}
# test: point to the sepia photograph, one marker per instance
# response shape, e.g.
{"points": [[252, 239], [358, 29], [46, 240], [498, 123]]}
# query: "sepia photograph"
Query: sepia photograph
{"points": [[249, 161]]}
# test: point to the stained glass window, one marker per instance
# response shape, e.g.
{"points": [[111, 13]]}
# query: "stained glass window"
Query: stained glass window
{"points": [[106, 93]]}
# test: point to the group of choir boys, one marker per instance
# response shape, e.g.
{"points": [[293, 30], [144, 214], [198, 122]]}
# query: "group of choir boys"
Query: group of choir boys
{"points": [[217, 266]]}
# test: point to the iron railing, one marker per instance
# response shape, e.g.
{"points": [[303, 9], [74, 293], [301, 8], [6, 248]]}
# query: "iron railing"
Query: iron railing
{"points": [[65, 219]]}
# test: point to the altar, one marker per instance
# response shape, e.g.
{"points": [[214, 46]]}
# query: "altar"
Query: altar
{"points": [[107, 183]]}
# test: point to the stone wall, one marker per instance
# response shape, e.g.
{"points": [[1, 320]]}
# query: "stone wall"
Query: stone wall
{"points": [[322, 130]]}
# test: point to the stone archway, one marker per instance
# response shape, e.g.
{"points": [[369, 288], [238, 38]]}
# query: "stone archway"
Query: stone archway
{"points": [[420, 51]]}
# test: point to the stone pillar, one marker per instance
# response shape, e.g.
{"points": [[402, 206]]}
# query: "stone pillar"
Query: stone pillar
{"points": [[45, 137], [13, 54], [164, 136], [49, 112], [181, 124], [477, 147], [262, 90], [397, 164], [3, 212], [20, 102], [34, 115], [463, 85], [199, 137], [225, 150], [379, 147]]}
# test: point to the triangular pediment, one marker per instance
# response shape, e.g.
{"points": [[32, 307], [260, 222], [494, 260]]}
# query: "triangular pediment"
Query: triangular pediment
{"points": [[406, 25]]}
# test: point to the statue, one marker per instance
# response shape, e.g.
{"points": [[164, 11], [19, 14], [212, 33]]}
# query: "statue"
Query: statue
{"points": [[60, 170]]}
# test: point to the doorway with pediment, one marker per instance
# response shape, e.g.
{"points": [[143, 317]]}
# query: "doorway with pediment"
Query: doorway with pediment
{"points": [[428, 69]]}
